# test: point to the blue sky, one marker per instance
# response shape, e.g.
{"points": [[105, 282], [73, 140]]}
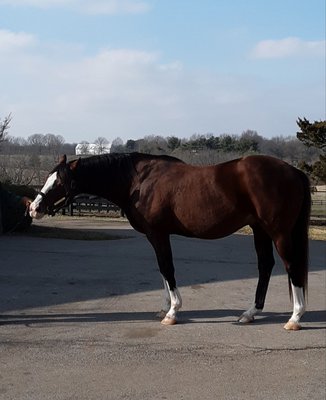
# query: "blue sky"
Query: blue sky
{"points": [[131, 68]]}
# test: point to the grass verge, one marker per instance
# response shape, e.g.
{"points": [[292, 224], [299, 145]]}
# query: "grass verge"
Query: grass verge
{"points": [[315, 232]]}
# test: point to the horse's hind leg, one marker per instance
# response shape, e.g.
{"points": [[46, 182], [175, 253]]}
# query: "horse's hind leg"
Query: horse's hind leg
{"points": [[264, 250], [162, 247], [299, 307], [285, 249]]}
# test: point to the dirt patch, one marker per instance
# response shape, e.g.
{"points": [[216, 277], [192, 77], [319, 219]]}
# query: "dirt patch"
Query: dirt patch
{"points": [[141, 333]]}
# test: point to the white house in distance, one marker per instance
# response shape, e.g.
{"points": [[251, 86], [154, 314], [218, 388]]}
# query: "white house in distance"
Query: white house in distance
{"points": [[92, 148]]}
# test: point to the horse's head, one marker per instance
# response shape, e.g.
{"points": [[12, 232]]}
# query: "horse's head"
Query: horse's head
{"points": [[58, 190]]}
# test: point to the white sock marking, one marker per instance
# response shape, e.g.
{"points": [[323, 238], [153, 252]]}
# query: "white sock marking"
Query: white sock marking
{"points": [[167, 297], [176, 302], [299, 305]]}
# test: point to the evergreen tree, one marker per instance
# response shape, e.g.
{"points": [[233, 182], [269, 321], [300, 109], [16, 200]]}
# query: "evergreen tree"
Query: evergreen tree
{"points": [[314, 135]]}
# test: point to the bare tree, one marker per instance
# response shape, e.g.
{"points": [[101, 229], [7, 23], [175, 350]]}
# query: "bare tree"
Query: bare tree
{"points": [[83, 148], [37, 142], [4, 126], [102, 145], [17, 170], [152, 144], [117, 145], [54, 144], [14, 145]]}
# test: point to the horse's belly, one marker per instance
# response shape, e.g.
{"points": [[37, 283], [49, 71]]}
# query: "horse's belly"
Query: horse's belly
{"points": [[208, 224]]}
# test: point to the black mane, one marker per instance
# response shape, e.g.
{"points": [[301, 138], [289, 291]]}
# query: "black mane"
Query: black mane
{"points": [[122, 164], [118, 169], [116, 162], [114, 170]]}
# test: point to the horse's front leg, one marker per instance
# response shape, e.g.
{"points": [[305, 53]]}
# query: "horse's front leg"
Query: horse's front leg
{"points": [[176, 303], [173, 301]]}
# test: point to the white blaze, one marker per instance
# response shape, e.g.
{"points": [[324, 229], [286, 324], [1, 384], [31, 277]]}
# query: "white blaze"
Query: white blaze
{"points": [[45, 189]]}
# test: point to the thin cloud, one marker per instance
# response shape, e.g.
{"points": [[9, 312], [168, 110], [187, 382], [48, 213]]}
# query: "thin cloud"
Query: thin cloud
{"points": [[15, 40], [132, 93], [114, 7], [288, 47], [93, 7], [38, 3]]}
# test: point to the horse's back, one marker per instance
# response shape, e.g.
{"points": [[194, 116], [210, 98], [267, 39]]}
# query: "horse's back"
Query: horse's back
{"points": [[190, 200]]}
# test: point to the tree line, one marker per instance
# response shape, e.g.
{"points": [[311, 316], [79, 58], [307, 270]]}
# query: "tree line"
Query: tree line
{"points": [[249, 142], [39, 152]]}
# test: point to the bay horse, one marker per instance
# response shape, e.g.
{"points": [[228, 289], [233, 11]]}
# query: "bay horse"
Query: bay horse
{"points": [[162, 195]]}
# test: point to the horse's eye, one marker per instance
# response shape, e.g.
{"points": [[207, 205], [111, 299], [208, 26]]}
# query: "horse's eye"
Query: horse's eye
{"points": [[60, 179]]}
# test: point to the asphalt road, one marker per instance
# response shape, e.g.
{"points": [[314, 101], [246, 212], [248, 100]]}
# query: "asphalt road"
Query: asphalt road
{"points": [[77, 321]]}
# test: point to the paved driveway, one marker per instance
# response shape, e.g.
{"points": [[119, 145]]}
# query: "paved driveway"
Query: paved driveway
{"points": [[78, 322]]}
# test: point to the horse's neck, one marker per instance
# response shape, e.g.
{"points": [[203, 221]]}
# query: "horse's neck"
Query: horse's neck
{"points": [[98, 181]]}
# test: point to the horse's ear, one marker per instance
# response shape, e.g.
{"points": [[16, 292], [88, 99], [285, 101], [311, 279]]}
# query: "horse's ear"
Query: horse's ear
{"points": [[74, 164], [63, 159]]}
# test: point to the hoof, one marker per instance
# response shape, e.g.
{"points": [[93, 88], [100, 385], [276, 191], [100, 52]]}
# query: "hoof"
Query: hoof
{"points": [[161, 314], [246, 319], [168, 321], [292, 326]]}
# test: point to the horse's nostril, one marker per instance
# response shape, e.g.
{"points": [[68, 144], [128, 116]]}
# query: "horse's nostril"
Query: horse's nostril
{"points": [[34, 208]]}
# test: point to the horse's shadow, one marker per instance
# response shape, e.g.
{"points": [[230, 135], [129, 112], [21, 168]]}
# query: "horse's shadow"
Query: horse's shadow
{"points": [[185, 317]]}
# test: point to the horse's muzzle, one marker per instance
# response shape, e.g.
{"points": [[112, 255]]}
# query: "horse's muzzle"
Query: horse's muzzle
{"points": [[36, 210]]}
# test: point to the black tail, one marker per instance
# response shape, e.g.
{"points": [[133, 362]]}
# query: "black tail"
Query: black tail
{"points": [[300, 240]]}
